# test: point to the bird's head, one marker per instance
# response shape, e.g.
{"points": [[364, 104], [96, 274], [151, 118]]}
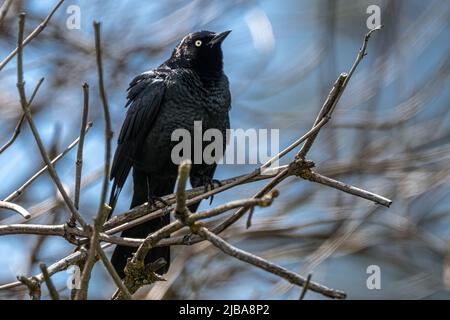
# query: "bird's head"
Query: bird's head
{"points": [[200, 51]]}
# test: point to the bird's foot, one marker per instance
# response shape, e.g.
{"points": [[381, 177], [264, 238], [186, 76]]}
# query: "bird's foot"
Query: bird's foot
{"points": [[209, 185], [152, 201]]}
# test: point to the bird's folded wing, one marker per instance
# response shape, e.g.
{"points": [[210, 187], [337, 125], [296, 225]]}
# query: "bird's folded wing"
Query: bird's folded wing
{"points": [[145, 96]]}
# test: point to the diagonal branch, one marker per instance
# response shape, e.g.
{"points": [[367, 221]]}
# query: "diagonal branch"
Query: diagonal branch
{"points": [[18, 192], [22, 118], [26, 109], [14, 135], [317, 177]]}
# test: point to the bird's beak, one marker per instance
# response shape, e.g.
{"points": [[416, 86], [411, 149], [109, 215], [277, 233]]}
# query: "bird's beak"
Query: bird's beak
{"points": [[218, 39]]}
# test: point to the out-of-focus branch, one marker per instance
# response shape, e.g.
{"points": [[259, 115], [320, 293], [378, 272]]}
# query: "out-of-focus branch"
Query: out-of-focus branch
{"points": [[4, 10], [31, 36], [60, 265]]}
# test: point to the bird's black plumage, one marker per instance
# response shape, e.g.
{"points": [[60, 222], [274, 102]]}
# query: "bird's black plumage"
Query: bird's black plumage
{"points": [[190, 86]]}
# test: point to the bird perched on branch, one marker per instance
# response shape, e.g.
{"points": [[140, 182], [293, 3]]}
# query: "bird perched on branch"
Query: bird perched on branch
{"points": [[190, 86]]}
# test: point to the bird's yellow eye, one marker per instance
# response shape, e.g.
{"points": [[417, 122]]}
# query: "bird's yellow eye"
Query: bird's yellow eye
{"points": [[198, 43]]}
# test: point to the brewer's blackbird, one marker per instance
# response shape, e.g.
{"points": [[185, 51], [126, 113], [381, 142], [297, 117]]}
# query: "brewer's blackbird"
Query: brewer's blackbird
{"points": [[190, 86]]}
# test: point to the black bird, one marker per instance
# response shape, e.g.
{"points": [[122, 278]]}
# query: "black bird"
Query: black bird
{"points": [[190, 86]]}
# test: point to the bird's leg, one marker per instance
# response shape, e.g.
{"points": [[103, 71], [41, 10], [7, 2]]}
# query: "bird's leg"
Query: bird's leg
{"points": [[151, 198]]}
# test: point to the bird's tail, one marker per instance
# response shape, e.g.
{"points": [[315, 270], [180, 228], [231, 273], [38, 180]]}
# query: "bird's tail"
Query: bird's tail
{"points": [[140, 196]]}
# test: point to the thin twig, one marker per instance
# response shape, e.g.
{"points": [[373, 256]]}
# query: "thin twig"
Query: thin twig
{"points": [[325, 112], [79, 162], [272, 184], [316, 177], [14, 135], [108, 131], [31, 36], [18, 192], [48, 281], [333, 99], [22, 118]]}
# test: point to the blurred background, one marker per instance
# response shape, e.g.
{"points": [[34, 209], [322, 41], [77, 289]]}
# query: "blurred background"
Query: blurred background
{"points": [[390, 134]]}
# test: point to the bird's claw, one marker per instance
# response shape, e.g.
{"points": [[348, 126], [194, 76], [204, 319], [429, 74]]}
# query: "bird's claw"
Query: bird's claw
{"points": [[153, 199], [209, 185]]}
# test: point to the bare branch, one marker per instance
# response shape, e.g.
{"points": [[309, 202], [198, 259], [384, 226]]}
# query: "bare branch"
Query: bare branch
{"points": [[325, 112], [15, 207], [108, 131], [316, 177], [79, 163], [334, 96]]}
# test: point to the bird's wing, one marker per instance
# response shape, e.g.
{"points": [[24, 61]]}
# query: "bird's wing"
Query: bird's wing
{"points": [[145, 95]]}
